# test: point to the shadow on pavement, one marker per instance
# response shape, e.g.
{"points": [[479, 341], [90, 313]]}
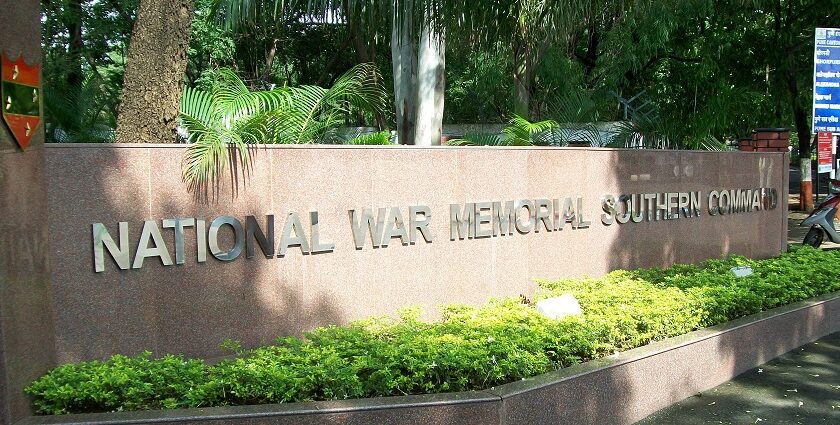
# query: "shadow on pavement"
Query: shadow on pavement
{"points": [[800, 387]]}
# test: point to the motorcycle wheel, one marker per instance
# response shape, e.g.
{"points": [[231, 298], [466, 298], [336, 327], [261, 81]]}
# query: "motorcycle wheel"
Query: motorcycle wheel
{"points": [[814, 237]]}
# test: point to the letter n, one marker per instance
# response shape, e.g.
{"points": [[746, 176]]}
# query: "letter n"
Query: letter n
{"points": [[102, 240]]}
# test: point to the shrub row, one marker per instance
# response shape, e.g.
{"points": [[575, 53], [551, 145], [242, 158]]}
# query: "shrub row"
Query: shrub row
{"points": [[470, 348]]}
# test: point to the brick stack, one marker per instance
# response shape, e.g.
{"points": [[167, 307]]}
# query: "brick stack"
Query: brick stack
{"points": [[766, 140]]}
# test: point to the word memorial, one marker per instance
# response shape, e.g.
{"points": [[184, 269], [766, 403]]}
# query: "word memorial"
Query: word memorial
{"points": [[471, 220]]}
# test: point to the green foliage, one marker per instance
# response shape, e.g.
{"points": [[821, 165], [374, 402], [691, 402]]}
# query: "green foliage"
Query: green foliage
{"points": [[78, 113], [120, 383], [480, 139], [232, 116], [84, 43], [378, 138], [281, 42], [523, 132], [478, 85], [519, 132], [709, 70], [469, 348], [211, 46], [728, 67]]}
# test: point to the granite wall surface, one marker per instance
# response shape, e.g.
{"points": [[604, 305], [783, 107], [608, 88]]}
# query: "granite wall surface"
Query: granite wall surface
{"points": [[26, 322], [191, 308]]}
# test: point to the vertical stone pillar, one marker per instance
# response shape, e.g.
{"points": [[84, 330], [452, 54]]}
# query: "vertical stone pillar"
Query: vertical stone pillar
{"points": [[27, 346]]}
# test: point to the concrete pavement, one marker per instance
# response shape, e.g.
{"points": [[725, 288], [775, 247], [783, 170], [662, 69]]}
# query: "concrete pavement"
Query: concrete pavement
{"points": [[800, 387]]}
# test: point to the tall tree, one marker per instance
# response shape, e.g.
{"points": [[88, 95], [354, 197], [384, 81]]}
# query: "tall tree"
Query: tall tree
{"points": [[431, 84], [75, 75], [404, 68], [529, 27], [155, 66], [418, 62], [84, 43], [416, 29], [534, 26], [793, 23]]}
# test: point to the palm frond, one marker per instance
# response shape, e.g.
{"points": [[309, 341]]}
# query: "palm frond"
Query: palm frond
{"points": [[197, 104], [78, 113], [208, 153], [312, 109], [522, 132], [479, 139], [231, 117]]}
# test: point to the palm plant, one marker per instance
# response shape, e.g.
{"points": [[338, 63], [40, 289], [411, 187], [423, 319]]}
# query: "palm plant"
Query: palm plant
{"points": [[519, 132], [78, 113], [230, 117]]}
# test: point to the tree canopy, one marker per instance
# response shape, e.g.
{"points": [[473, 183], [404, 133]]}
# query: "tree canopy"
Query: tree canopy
{"points": [[696, 70]]}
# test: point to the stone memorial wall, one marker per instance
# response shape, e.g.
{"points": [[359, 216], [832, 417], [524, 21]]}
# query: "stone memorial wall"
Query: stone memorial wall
{"points": [[317, 235]]}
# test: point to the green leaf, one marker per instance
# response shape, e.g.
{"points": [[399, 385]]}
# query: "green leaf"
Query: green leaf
{"points": [[221, 124]]}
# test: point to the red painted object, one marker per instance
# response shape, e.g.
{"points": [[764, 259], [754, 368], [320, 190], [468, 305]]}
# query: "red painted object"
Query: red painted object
{"points": [[20, 87]]}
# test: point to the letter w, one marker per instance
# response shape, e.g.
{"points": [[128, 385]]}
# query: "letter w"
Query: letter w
{"points": [[374, 226]]}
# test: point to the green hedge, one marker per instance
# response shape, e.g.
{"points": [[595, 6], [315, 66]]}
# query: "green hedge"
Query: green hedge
{"points": [[470, 348]]}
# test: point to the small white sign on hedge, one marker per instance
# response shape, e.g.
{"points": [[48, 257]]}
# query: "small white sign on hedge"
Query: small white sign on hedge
{"points": [[741, 271], [559, 307]]}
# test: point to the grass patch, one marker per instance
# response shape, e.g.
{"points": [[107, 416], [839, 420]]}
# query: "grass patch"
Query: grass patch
{"points": [[470, 348]]}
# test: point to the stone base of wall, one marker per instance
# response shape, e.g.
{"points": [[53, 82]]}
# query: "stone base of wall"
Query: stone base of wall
{"points": [[620, 389]]}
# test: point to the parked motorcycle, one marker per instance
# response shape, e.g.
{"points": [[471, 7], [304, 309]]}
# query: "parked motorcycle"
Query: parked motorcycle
{"points": [[821, 220]]}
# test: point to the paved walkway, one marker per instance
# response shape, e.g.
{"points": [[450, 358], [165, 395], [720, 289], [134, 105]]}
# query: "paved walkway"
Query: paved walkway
{"points": [[800, 387]]}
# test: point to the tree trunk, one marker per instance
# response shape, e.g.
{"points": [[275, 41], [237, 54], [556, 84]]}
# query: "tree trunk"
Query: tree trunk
{"points": [[440, 90], [404, 63], [803, 132], [75, 77], [269, 65], [360, 41], [154, 72], [431, 82], [523, 79], [590, 59], [419, 78]]}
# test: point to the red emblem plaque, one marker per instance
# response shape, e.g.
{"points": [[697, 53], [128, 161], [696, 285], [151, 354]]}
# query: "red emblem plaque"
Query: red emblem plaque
{"points": [[21, 98]]}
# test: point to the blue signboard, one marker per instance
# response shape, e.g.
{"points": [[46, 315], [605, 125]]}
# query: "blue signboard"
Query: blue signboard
{"points": [[826, 110]]}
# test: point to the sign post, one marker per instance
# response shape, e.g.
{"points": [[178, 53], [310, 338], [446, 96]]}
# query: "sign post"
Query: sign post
{"points": [[825, 157], [826, 106], [824, 154]]}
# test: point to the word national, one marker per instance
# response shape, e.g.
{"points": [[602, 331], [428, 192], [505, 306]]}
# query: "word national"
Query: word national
{"points": [[294, 234]]}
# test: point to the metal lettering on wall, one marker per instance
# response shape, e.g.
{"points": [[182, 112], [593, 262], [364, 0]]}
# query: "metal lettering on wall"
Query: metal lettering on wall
{"points": [[382, 226]]}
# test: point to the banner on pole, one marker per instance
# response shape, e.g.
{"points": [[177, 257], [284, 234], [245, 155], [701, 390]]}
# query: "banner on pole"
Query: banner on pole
{"points": [[824, 156]]}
